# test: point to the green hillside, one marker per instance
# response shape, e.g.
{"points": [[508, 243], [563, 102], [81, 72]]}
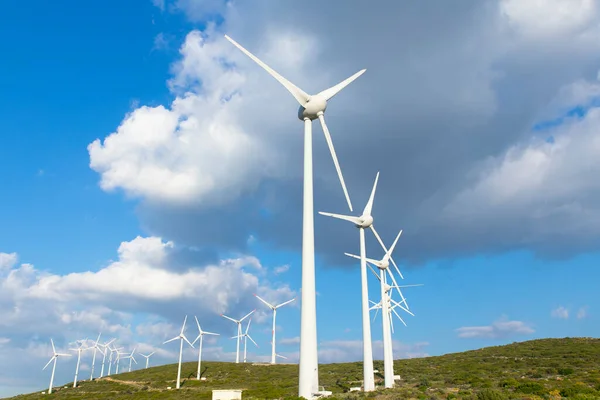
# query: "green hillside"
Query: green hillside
{"points": [[547, 368]]}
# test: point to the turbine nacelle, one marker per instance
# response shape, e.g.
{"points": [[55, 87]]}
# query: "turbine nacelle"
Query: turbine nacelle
{"points": [[364, 221], [314, 106]]}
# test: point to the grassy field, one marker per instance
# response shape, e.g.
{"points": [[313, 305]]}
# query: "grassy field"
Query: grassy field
{"points": [[537, 369]]}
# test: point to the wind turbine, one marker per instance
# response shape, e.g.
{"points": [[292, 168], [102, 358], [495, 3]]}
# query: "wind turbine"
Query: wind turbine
{"points": [[55, 355], [201, 337], [78, 350], [96, 348], [147, 357], [363, 222], [111, 360], [239, 332], [383, 265], [181, 337], [274, 308], [131, 358], [246, 336], [106, 350], [311, 108], [118, 361]]}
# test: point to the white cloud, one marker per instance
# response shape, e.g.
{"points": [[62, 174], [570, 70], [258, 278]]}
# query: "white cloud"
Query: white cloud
{"points": [[582, 312], [194, 151], [289, 341], [550, 19], [281, 269], [7, 260], [560, 312], [502, 328]]}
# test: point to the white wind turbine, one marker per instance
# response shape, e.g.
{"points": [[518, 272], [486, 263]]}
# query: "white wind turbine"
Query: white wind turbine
{"points": [[201, 337], [246, 336], [383, 265], [106, 350], [131, 358], [78, 350], [55, 355], [147, 357], [274, 308], [96, 348], [311, 108], [181, 338], [363, 222], [111, 359], [118, 361], [239, 332]]}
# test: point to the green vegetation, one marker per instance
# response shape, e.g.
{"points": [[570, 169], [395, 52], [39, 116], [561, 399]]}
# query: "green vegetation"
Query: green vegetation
{"points": [[538, 369]]}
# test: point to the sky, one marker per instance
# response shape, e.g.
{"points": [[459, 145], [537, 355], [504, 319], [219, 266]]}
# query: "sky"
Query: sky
{"points": [[149, 170]]}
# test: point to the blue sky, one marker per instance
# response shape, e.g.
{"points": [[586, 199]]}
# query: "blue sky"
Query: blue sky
{"points": [[500, 226]]}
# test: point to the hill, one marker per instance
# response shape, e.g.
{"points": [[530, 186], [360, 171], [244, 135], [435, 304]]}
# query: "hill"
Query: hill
{"points": [[546, 368]]}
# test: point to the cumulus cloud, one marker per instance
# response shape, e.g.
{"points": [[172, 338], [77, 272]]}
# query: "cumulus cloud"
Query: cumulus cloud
{"points": [[281, 269], [464, 99], [137, 299], [560, 312], [501, 329], [7, 260]]}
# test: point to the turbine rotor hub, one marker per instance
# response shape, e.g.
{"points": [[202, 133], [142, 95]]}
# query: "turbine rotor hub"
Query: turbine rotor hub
{"points": [[365, 221], [315, 106]]}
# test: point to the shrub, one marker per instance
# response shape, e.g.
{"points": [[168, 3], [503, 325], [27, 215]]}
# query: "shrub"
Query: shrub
{"points": [[565, 371], [531, 388], [490, 394]]}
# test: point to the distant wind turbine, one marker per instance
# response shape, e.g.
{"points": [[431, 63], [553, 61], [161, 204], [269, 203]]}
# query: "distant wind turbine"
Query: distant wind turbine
{"points": [[131, 358], [201, 337], [239, 332], [78, 350], [246, 336], [96, 348], [147, 357], [274, 308], [181, 338], [106, 350], [55, 355]]}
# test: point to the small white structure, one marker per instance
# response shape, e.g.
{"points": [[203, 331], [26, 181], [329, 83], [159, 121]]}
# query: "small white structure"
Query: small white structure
{"points": [[228, 394], [355, 389], [397, 377]]}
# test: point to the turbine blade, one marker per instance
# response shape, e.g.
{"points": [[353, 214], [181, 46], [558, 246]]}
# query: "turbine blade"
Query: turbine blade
{"points": [[332, 91], [396, 286], [385, 249], [188, 342], [354, 220], [197, 337], [300, 96], [198, 323], [284, 303], [396, 304], [250, 337], [64, 355], [53, 348], [376, 312], [268, 304], [133, 358], [247, 315], [352, 255], [48, 363], [210, 333], [229, 318], [389, 252], [97, 340], [335, 160], [170, 340], [373, 271], [369, 206], [399, 317], [248, 326], [183, 326], [151, 353], [392, 323]]}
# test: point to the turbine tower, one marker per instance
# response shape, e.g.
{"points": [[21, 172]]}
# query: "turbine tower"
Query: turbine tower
{"points": [[96, 348], [239, 332], [201, 337], [106, 350], [147, 357], [55, 355], [181, 338], [311, 108], [78, 350], [274, 308], [363, 222]]}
